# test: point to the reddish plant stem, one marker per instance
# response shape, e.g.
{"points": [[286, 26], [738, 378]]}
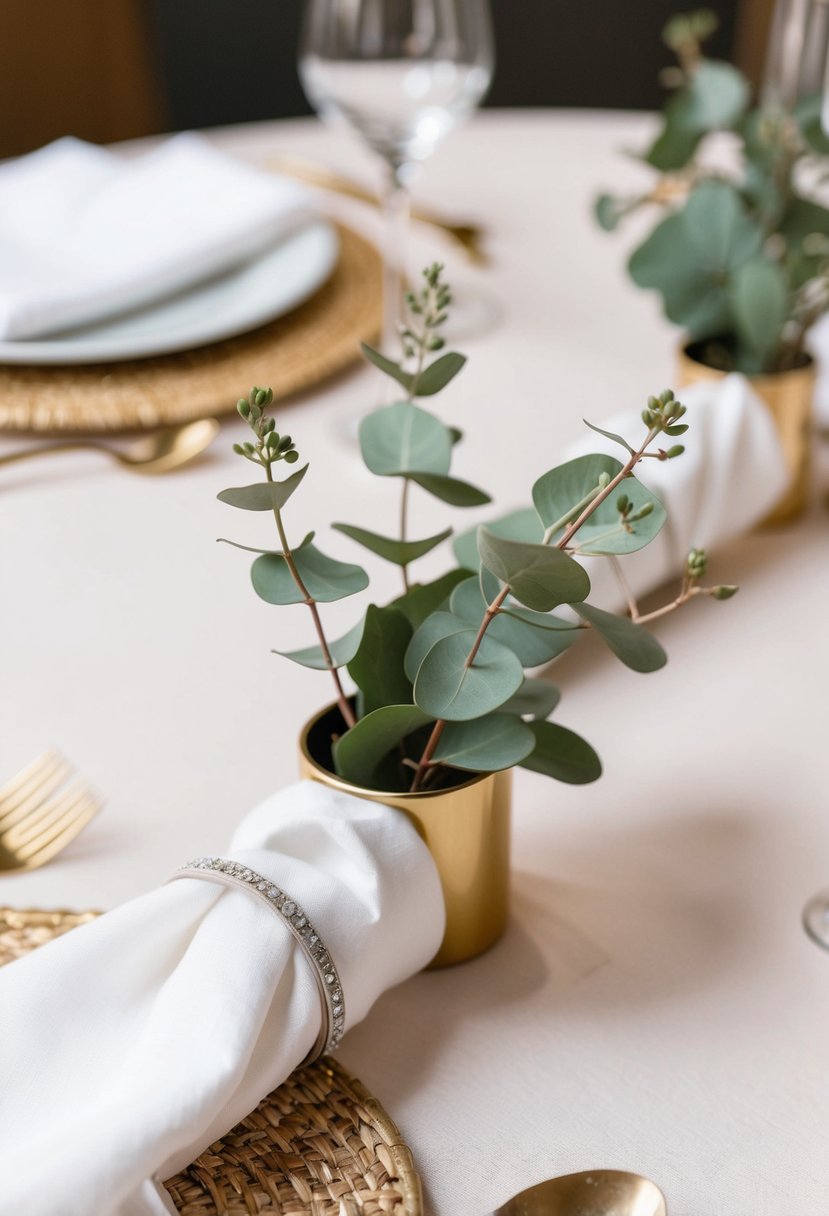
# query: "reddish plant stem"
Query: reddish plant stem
{"points": [[342, 700]]}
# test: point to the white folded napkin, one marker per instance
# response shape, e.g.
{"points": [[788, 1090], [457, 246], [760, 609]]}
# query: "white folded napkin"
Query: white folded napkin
{"points": [[85, 233], [730, 476], [132, 1043]]}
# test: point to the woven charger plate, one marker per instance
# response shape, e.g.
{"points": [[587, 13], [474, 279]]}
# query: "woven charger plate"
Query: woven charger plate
{"points": [[305, 346], [320, 1145]]}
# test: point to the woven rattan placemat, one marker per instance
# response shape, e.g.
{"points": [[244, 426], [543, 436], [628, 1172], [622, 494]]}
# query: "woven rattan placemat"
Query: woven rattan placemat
{"points": [[314, 341], [320, 1145]]}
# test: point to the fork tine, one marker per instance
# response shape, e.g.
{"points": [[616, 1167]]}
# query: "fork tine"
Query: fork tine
{"points": [[30, 788], [51, 848], [44, 815]]}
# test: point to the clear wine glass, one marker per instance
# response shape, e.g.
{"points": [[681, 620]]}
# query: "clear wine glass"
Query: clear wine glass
{"points": [[402, 73]]}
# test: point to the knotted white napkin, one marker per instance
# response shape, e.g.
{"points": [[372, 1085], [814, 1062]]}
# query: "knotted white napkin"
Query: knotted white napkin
{"points": [[728, 479], [130, 1044], [85, 233]]}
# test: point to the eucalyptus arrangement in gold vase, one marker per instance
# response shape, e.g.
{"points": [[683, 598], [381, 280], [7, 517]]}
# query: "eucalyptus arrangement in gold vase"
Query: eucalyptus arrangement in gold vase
{"points": [[740, 250], [443, 708]]}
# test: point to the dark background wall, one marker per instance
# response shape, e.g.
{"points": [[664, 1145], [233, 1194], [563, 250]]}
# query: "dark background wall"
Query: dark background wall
{"points": [[217, 68], [113, 69]]}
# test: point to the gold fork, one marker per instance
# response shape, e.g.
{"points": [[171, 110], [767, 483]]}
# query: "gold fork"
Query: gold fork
{"points": [[41, 811]]}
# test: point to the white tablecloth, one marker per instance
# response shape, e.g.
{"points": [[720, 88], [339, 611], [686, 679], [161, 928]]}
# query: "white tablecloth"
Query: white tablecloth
{"points": [[654, 1004]]}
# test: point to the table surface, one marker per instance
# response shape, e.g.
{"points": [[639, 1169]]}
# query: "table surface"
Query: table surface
{"points": [[654, 1004]]}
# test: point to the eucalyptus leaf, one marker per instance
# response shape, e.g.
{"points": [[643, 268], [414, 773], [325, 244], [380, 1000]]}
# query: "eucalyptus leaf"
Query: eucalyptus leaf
{"points": [[451, 489], [435, 627], [718, 96], [263, 495], [607, 212], [388, 366], [562, 754], [342, 650], [377, 666], [486, 745], [760, 302], [422, 599], [360, 751], [223, 540], [400, 552], [400, 439], [446, 687], [539, 576], [535, 698], [532, 645], [609, 435], [438, 374], [630, 642], [692, 254], [517, 525], [325, 578]]}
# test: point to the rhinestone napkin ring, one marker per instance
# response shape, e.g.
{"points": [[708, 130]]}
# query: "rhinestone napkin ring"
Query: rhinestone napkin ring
{"points": [[235, 874]]}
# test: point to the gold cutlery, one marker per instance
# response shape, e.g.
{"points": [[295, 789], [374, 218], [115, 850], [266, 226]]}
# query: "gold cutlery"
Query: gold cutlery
{"points": [[469, 236], [592, 1193], [160, 452], [41, 811]]}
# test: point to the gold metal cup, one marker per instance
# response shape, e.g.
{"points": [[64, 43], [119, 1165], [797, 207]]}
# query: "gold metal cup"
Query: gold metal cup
{"points": [[467, 831], [788, 396]]}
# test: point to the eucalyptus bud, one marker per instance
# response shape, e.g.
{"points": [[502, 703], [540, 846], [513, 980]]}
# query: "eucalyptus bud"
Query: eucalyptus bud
{"points": [[666, 396], [623, 504], [676, 450], [243, 408], [292, 457], [696, 563], [644, 510], [604, 480], [724, 592], [238, 449]]}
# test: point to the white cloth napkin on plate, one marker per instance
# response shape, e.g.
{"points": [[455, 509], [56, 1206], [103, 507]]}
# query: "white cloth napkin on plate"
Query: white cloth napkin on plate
{"points": [[85, 233], [730, 475], [130, 1044]]}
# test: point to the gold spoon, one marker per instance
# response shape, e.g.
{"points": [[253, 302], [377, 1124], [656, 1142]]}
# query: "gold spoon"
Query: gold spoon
{"points": [[469, 236], [592, 1193], [160, 452]]}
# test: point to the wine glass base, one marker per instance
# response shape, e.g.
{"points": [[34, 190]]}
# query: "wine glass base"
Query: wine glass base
{"points": [[816, 919]]}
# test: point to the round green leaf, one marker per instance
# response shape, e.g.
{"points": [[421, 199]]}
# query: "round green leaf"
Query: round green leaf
{"points": [[630, 642], [760, 301], [562, 754], [324, 578], [401, 438], [535, 698], [446, 687], [485, 745], [360, 751], [539, 576], [436, 626]]}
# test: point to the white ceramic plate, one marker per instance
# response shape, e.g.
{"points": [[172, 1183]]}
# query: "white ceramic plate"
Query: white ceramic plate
{"points": [[235, 302]]}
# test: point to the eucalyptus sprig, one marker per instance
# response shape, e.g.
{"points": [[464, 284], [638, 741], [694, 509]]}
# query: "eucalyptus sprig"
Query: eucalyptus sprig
{"points": [[740, 258], [441, 679]]}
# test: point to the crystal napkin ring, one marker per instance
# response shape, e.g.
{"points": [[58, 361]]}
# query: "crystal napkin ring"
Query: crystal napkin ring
{"points": [[235, 874]]}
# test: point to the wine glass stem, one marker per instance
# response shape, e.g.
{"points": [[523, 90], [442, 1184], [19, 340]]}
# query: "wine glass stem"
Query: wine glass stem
{"points": [[396, 217]]}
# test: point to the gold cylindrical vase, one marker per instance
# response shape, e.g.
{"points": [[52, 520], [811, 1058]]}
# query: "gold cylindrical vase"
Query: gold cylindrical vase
{"points": [[466, 829], [788, 397]]}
